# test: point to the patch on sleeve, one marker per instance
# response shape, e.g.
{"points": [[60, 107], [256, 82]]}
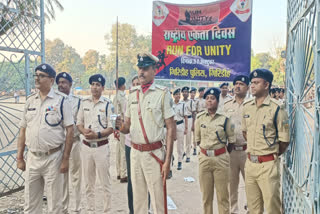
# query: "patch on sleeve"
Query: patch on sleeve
{"points": [[246, 116], [203, 126]]}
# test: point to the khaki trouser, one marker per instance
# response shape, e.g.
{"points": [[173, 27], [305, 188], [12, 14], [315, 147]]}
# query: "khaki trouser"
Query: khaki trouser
{"points": [[194, 143], [75, 175], [214, 173], [146, 176], [96, 161], [179, 141], [121, 157], [237, 162], [263, 187], [43, 172], [188, 138]]}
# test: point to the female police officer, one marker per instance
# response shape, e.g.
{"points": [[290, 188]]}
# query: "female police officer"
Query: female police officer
{"points": [[213, 130]]}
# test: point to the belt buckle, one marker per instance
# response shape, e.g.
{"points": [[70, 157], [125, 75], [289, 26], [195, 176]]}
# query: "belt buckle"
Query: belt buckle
{"points": [[93, 145], [254, 158], [238, 148], [210, 153]]}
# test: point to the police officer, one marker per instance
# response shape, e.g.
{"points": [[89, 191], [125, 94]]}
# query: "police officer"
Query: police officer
{"points": [[182, 124], [193, 92], [190, 110], [64, 82], [224, 96], [213, 131], [149, 108], [94, 125], [200, 101], [265, 126], [46, 125], [233, 109], [119, 103]]}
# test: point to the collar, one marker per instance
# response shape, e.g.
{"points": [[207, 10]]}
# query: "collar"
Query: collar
{"points": [[122, 93], [101, 99], [149, 86], [218, 112], [266, 101], [50, 94]]}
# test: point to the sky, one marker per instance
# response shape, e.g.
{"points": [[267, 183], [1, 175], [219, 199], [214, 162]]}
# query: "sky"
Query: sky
{"points": [[83, 23]]}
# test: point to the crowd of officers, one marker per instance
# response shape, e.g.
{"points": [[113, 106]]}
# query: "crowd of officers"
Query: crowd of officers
{"points": [[68, 136]]}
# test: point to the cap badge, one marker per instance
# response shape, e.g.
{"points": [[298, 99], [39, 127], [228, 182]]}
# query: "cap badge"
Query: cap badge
{"points": [[242, 79], [44, 67], [255, 74], [99, 79], [211, 92], [64, 75], [141, 58]]}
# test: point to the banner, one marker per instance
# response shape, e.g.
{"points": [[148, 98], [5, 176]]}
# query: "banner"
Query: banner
{"points": [[209, 42]]}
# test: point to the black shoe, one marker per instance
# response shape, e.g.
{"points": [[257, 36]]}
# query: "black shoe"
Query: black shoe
{"points": [[184, 154], [170, 174], [179, 166], [194, 151], [44, 198], [187, 160]]}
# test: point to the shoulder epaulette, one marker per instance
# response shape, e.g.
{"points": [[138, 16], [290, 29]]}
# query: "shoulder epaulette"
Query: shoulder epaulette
{"points": [[161, 87], [31, 95], [200, 114], [134, 89], [228, 101], [248, 101], [276, 101], [61, 94]]}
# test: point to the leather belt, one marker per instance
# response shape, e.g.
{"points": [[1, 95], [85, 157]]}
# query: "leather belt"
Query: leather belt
{"points": [[261, 158], [240, 148], [179, 122], [50, 152], [190, 116], [95, 144], [213, 152], [147, 147]]}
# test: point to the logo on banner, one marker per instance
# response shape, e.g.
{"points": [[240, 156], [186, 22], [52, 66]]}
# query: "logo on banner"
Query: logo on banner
{"points": [[204, 15], [242, 9], [160, 13]]}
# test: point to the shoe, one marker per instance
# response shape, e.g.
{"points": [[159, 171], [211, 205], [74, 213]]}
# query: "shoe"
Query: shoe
{"points": [[170, 174], [44, 198], [184, 154], [179, 166], [194, 151], [118, 177], [187, 160], [124, 180]]}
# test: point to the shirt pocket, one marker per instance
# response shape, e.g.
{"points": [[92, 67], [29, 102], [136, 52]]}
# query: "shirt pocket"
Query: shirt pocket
{"points": [[103, 120], [53, 118], [268, 129], [155, 113], [30, 115], [220, 134]]}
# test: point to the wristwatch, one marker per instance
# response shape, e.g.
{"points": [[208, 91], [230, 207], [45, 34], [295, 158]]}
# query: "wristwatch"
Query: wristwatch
{"points": [[99, 135]]}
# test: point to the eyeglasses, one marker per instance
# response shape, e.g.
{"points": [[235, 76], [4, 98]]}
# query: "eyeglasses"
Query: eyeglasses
{"points": [[40, 76]]}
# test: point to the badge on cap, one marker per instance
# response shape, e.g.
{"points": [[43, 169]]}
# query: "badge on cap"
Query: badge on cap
{"points": [[44, 67], [99, 79], [64, 75], [242, 79], [211, 92], [255, 74], [141, 58]]}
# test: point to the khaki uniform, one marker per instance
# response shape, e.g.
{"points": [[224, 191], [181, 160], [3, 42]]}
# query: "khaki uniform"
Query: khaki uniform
{"points": [[200, 104], [190, 108], [238, 155], [119, 102], [214, 170], [179, 118], [96, 161], [223, 100], [45, 123], [263, 179], [74, 164], [156, 106]]}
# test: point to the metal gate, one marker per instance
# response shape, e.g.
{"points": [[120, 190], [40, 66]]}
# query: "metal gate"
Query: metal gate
{"points": [[301, 178], [21, 48]]}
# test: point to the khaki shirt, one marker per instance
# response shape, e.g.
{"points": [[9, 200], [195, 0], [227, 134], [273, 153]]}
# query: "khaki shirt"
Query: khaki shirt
{"points": [[45, 128], [179, 110], [234, 111], [207, 127], [200, 104], [75, 102], [223, 100], [190, 107], [156, 106], [119, 102], [254, 118], [95, 116]]}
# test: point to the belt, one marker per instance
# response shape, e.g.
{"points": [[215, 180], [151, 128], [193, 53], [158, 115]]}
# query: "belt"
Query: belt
{"points": [[261, 159], [147, 147], [213, 152], [50, 152], [240, 148], [190, 116], [95, 144], [179, 122]]}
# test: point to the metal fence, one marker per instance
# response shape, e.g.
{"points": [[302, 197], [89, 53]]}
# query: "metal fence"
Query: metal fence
{"points": [[301, 166], [21, 48]]}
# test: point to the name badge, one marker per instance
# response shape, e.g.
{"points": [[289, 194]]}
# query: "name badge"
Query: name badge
{"points": [[230, 110], [102, 110], [31, 109], [86, 109], [136, 102], [203, 126], [246, 116]]}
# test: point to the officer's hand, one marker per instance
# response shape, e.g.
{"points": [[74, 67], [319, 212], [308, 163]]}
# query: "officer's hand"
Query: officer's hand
{"points": [[86, 131], [91, 135], [64, 166], [185, 131], [21, 164], [165, 170], [119, 122], [192, 128]]}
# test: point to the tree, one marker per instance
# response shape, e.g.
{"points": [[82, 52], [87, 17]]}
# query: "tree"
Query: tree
{"points": [[90, 59], [54, 52]]}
